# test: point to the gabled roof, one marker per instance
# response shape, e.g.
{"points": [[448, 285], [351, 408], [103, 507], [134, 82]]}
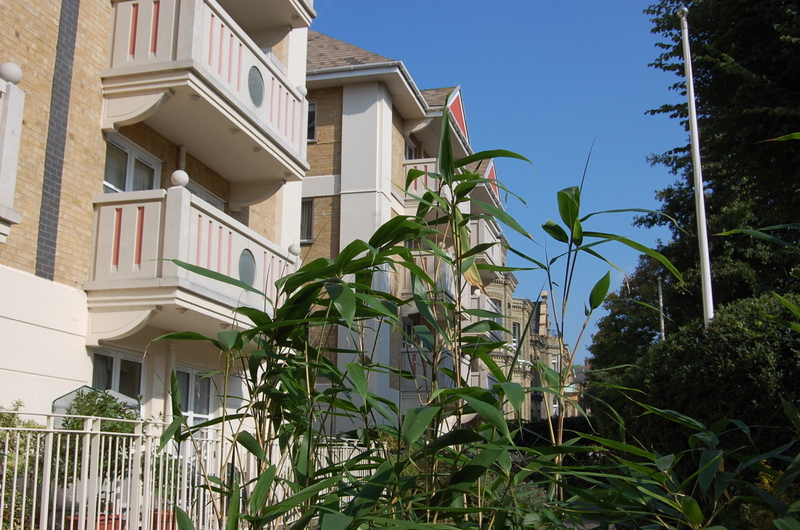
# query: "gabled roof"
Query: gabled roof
{"points": [[436, 96], [327, 52]]}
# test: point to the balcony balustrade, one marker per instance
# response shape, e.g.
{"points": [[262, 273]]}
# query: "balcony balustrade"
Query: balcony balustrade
{"points": [[134, 236], [192, 73]]}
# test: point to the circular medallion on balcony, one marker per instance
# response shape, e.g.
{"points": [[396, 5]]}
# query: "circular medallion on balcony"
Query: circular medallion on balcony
{"points": [[256, 85], [247, 267]]}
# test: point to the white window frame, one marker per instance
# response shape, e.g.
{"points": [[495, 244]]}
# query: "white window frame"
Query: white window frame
{"points": [[188, 402], [117, 357], [134, 153]]}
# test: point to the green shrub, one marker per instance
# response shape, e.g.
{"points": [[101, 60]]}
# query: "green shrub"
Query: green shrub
{"points": [[742, 367]]}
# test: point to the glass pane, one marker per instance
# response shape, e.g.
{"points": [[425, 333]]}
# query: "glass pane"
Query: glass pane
{"points": [[306, 220], [130, 378], [102, 371], [116, 167], [312, 120], [143, 176], [183, 386], [202, 397]]}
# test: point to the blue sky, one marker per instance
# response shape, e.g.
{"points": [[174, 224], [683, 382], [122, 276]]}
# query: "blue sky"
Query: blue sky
{"points": [[545, 79]]}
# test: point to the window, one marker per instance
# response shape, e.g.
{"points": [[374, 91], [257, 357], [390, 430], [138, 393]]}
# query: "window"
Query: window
{"points": [[312, 121], [199, 191], [411, 150], [129, 167], [307, 221], [117, 371], [515, 328], [195, 389]]}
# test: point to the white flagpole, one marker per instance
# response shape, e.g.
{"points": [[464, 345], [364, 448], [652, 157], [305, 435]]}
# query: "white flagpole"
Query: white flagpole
{"points": [[699, 195]]}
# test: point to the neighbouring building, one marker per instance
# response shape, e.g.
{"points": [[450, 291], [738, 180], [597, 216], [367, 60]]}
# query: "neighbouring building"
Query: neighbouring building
{"points": [[117, 103], [369, 124]]}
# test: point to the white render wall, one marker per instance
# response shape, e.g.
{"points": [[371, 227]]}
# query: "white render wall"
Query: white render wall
{"points": [[43, 338], [366, 194]]}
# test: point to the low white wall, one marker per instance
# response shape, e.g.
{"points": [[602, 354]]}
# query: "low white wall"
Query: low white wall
{"points": [[42, 340]]}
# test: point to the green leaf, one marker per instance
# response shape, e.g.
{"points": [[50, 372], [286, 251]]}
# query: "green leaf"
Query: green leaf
{"points": [[229, 339], [233, 510], [792, 136], [335, 521], [344, 300], [599, 291], [691, 510], [665, 462], [641, 248], [416, 421], [208, 273], [555, 231], [515, 394], [184, 522], [569, 205], [358, 377], [709, 465], [259, 496], [503, 217], [486, 155], [784, 523], [490, 413], [247, 441]]}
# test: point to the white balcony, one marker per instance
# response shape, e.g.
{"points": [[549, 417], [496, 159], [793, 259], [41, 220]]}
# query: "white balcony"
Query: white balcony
{"points": [[488, 231], [131, 284], [189, 70]]}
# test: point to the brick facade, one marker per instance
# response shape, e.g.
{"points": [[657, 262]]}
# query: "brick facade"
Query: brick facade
{"points": [[325, 154]]}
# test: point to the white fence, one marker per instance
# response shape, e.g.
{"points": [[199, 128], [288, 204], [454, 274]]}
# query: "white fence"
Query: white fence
{"points": [[87, 477]]}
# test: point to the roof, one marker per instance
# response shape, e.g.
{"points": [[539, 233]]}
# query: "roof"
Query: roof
{"points": [[436, 96], [327, 52]]}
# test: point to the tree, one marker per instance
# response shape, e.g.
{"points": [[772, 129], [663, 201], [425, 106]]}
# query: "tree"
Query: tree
{"points": [[747, 78], [743, 367]]}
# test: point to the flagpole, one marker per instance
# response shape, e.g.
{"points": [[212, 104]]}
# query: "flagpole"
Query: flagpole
{"points": [[699, 194]]}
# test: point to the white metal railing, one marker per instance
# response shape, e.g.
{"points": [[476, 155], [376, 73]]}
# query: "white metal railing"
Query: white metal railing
{"points": [[150, 36], [87, 477], [135, 232]]}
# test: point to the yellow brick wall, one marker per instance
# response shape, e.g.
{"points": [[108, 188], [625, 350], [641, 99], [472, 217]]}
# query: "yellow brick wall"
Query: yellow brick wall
{"points": [[28, 39], [398, 153], [326, 229], [325, 154], [264, 217]]}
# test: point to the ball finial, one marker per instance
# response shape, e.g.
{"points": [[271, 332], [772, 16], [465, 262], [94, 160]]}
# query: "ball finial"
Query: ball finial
{"points": [[180, 178]]}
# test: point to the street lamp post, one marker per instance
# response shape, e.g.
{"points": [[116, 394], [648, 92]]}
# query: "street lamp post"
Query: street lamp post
{"points": [[699, 195]]}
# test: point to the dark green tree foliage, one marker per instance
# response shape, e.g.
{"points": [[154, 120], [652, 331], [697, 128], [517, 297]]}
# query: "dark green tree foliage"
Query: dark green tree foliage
{"points": [[746, 62], [632, 322], [741, 368]]}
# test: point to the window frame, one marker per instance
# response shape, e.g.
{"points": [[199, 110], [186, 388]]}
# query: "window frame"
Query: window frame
{"points": [[117, 356], [134, 152], [307, 221], [311, 133], [189, 412]]}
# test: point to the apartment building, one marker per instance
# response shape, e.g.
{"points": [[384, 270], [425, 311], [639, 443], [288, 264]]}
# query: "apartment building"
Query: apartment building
{"points": [[369, 124], [132, 133]]}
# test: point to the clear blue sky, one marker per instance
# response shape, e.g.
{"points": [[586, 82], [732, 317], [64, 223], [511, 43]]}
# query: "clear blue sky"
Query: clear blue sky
{"points": [[544, 79]]}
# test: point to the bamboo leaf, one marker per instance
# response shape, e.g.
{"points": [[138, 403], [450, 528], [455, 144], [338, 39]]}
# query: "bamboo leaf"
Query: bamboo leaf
{"points": [[641, 248], [416, 422], [569, 205], [258, 498], [691, 510], [233, 510], [208, 273], [335, 521], [184, 522], [555, 231], [247, 441], [503, 217], [344, 300], [599, 291], [487, 155], [490, 413], [515, 394]]}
